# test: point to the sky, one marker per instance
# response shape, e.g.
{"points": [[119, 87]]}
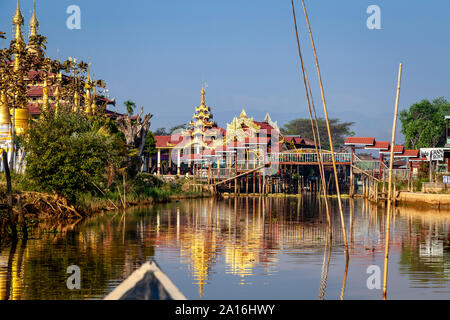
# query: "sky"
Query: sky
{"points": [[158, 53]]}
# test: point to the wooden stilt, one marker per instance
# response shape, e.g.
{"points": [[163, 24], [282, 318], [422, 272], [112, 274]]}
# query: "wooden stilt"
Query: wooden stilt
{"points": [[391, 164], [333, 158]]}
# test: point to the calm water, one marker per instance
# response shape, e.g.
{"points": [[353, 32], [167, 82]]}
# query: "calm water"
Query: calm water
{"points": [[249, 248]]}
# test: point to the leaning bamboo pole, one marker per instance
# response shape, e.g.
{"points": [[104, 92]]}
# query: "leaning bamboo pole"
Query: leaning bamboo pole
{"points": [[305, 81], [389, 197], [328, 129]]}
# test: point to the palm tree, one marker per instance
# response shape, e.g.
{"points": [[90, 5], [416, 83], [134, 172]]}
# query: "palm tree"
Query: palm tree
{"points": [[130, 105]]}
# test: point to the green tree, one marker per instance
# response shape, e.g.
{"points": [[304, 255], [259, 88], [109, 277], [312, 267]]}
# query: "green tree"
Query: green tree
{"points": [[69, 153], [130, 105], [302, 127], [423, 124], [150, 144], [175, 128], [161, 132]]}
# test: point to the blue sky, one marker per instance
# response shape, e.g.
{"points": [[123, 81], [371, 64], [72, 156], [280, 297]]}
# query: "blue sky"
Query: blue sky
{"points": [[158, 52]]}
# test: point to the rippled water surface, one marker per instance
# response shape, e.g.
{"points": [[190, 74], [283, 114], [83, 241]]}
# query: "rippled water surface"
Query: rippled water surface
{"points": [[248, 248]]}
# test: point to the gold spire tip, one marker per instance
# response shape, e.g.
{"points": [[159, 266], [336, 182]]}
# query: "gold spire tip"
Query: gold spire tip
{"points": [[34, 23], [18, 17]]}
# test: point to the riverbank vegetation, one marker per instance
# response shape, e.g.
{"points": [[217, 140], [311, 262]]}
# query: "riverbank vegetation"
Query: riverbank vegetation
{"points": [[77, 165], [423, 124], [302, 127]]}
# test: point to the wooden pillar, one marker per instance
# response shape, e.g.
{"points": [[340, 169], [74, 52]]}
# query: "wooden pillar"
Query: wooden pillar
{"points": [[259, 183], [159, 162], [170, 161], [381, 163], [409, 175], [394, 198], [254, 182], [364, 187], [178, 162], [352, 182], [246, 184], [376, 190]]}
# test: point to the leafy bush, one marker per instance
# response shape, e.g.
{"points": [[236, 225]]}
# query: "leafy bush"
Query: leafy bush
{"points": [[144, 182], [69, 153]]}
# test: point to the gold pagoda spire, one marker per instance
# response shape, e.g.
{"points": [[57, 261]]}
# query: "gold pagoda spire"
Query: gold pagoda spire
{"points": [[18, 17], [33, 31], [76, 100], [19, 43], [45, 105], [34, 23], [93, 105], [203, 92], [202, 117], [87, 97], [57, 94]]}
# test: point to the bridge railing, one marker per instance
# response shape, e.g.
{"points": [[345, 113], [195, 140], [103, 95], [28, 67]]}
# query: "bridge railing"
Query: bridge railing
{"points": [[369, 165], [398, 173], [308, 157]]}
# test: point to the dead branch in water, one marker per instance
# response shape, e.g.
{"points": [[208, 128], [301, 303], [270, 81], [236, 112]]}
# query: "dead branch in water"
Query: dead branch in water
{"points": [[52, 204]]}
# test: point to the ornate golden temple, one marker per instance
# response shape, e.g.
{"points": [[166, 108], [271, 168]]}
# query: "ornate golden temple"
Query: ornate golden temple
{"points": [[204, 141], [42, 88]]}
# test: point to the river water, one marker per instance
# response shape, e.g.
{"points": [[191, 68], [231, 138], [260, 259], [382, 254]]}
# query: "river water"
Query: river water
{"points": [[244, 248]]}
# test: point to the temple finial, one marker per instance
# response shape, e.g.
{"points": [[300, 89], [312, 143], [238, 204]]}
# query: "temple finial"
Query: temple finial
{"points": [[33, 32], [203, 92], [19, 43], [34, 23], [18, 17], [57, 94]]}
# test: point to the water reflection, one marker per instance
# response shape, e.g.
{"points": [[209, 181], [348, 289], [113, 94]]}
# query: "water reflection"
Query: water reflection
{"points": [[272, 248]]}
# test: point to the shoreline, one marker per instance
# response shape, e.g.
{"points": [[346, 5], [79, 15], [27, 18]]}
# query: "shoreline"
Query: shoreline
{"points": [[415, 199], [404, 199], [36, 216]]}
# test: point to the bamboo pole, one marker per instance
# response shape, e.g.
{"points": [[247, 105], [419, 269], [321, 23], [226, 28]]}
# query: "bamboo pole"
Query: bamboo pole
{"points": [[305, 81], [329, 130], [9, 197], [352, 178], [124, 189], [391, 165]]}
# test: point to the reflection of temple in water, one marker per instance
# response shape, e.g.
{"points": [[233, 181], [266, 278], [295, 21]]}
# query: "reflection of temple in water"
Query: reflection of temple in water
{"points": [[246, 237], [250, 233]]}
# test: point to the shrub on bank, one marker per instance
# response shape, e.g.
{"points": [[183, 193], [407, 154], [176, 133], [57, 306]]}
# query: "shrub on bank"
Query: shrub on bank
{"points": [[70, 153]]}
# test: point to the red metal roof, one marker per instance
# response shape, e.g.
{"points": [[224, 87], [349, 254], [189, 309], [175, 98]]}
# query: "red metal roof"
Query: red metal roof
{"points": [[265, 126], [167, 141], [359, 141], [36, 91], [397, 149], [380, 145], [408, 154]]}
